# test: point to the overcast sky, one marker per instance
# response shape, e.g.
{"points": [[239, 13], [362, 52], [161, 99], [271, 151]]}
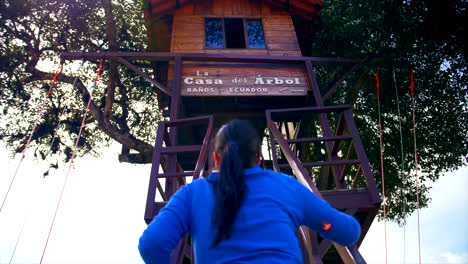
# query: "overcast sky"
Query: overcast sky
{"points": [[101, 216]]}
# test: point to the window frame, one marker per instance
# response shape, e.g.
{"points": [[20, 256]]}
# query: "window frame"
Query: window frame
{"points": [[246, 36]]}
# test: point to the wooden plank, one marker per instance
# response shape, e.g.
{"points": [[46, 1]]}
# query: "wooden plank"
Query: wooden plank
{"points": [[227, 7], [278, 20], [168, 56], [181, 149], [217, 71], [176, 174], [162, 7], [278, 33], [188, 40], [196, 36], [280, 40], [243, 81], [236, 7], [301, 12], [188, 46], [204, 7], [202, 157], [187, 9], [246, 7], [305, 7], [323, 109], [282, 27], [145, 76], [285, 53], [189, 19], [343, 199], [323, 163], [237, 51], [189, 51], [265, 9], [293, 46], [256, 8], [190, 26], [188, 34], [154, 182], [218, 8], [317, 139]]}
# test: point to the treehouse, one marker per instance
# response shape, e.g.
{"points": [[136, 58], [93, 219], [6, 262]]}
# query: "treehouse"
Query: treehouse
{"points": [[262, 29], [216, 60], [247, 59]]}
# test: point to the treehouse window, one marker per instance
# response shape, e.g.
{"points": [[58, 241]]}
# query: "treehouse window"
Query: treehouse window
{"points": [[255, 33], [234, 33]]}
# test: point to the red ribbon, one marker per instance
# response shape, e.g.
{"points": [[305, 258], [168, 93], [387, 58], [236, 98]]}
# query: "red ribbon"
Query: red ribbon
{"points": [[54, 80], [99, 71], [412, 83], [377, 79]]}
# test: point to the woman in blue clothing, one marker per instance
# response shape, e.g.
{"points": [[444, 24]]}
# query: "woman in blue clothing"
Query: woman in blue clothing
{"points": [[243, 214]]}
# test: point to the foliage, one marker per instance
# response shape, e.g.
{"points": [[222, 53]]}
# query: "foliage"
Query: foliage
{"points": [[397, 36], [34, 33]]}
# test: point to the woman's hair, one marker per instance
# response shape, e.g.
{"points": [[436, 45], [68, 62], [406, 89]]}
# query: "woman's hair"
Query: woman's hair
{"points": [[238, 146]]}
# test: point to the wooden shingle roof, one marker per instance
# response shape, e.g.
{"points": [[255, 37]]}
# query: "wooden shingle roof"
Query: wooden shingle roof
{"points": [[307, 9]]}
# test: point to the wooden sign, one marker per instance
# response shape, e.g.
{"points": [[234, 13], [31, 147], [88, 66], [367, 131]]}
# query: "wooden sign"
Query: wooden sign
{"points": [[242, 81]]}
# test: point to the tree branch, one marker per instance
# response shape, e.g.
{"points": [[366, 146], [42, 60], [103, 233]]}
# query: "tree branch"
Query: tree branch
{"points": [[121, 136], [114, 76]]}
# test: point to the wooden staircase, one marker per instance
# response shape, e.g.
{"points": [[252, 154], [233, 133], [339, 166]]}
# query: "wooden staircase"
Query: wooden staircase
{"points": [[353, 190]]}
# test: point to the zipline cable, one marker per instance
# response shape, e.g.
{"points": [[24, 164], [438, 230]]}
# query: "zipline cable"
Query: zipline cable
{"points": [[381, 163], [25, 220], [54, 80], [402, 164], [30, 200], [72, 157], [416, 161]]}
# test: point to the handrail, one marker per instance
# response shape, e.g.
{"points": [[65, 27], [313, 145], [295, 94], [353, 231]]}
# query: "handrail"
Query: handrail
{"points": [[303, 177]]}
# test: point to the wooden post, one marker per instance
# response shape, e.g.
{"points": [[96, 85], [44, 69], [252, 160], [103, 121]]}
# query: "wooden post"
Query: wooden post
{"points": [[369, 177], [171, 186], [324, 123]]}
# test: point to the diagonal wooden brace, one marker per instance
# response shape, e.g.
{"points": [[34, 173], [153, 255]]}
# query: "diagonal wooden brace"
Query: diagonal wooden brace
{"points": [[303, 177]]}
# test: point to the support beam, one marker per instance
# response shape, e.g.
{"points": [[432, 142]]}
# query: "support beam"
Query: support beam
{"points": [[333, 88], [167, 56], [324, 124], [303, 176], [144, 75], [368, 176], [171, 187]]}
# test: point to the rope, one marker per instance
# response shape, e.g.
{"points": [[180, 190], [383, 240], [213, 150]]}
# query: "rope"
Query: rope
{"points": [[402, 164], [54, 80], [51, 144], [72, 158], [381, 163], [416, 161], [63, 111]]}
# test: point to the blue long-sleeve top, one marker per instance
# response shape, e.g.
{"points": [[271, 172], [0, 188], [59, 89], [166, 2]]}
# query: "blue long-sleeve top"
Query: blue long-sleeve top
{"points": [[264, 231]]}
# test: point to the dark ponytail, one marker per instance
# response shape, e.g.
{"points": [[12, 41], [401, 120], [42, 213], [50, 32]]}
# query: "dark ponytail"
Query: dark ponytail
{"points": [[238, 145]]}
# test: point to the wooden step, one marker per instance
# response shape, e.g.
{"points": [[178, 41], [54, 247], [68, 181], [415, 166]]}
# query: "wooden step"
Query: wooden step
{"points": [[181, 149], [317, 139], [323, 163], [175, 174]]}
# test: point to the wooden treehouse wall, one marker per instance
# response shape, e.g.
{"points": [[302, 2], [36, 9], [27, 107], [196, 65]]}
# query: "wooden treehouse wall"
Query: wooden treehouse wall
{"points": [[188, 36], [188, 31]]}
